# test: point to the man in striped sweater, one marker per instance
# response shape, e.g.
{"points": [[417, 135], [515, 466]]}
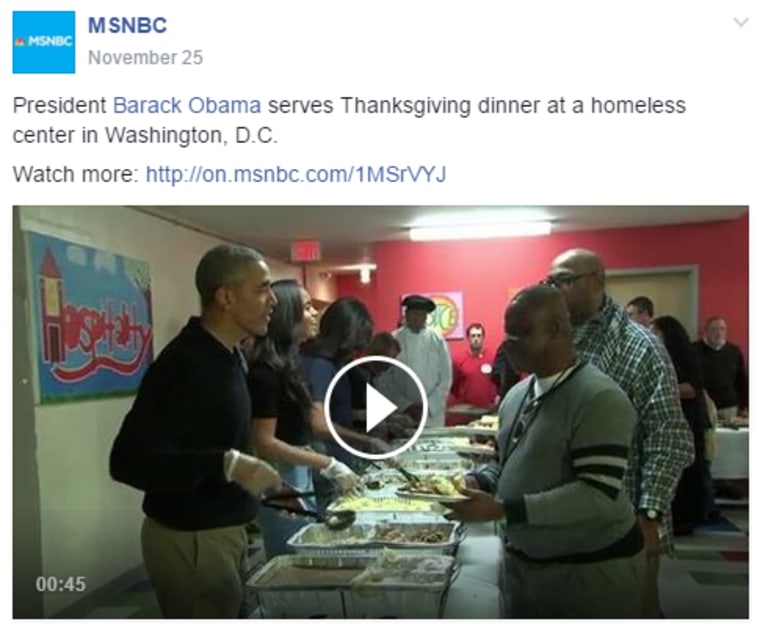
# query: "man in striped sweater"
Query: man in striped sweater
{"points": [[573, 545]]}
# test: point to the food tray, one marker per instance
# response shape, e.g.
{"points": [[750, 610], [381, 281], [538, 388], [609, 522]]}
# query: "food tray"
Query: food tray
{"points": [[438, 444], [477, 451], [300, 586], [452, 464], [392, 478], [457, 432], [443, 456], [432, 498], [316, 539], [379, 504]]}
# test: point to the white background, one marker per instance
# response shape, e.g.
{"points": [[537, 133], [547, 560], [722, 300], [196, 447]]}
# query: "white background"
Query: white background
{"points": [[543, 49]]}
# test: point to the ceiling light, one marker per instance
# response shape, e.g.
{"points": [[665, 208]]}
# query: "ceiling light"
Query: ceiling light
{"points": [[480, 231], [365, 275]]}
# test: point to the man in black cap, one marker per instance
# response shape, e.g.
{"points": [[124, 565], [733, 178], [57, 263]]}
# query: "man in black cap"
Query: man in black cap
{"points": [[426, 353]]}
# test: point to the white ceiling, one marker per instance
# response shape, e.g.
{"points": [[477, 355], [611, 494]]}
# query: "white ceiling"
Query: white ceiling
{"points": [[347, 232]]}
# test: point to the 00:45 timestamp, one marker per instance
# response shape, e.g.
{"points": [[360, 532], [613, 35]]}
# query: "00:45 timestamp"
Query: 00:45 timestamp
{"points": [[61, 584]]}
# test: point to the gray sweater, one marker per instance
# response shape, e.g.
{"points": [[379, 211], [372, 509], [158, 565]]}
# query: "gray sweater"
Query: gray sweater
{"points": [[562, 483]]}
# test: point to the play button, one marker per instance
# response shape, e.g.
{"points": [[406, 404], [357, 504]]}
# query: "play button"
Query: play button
{"points": [[378, 408], [383, 402]]}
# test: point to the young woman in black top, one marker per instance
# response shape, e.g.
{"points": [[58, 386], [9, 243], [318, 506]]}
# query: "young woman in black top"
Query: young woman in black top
{"points": [[282, 410], [690, 501]]}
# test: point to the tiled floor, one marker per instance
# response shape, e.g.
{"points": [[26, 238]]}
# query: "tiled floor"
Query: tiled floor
{"points": [[708, 578]]}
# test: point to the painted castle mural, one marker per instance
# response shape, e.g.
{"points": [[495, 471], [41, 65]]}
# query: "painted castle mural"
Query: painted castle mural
{"points": [[93, 323]]}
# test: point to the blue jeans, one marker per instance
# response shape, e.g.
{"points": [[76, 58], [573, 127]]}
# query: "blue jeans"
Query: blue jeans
{"points": [[277, 526]]}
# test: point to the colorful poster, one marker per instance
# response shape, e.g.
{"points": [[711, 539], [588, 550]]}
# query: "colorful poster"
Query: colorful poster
{"points": [[448, 317], [91, 320]]}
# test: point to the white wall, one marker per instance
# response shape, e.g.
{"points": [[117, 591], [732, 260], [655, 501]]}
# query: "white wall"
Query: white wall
{"points": [[90, 524]]}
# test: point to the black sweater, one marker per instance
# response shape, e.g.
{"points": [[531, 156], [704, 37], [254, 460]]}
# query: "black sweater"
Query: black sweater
{"points": [[725, 375], [193, 404]]}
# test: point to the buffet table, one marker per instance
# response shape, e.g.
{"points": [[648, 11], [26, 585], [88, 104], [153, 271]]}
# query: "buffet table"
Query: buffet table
{"points": [[400, 558], [731, 454], [475, 593], [462, 414]]}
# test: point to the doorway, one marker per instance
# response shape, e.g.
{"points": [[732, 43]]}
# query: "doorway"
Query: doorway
{"points": [[673, 291]]}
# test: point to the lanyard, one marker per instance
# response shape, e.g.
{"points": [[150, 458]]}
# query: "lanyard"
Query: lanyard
{"points": [[529, 409]]}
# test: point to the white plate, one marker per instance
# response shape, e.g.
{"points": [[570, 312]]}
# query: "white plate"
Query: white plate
{"points": [[435, 498]]}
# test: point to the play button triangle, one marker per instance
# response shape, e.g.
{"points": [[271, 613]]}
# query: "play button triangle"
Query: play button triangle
{"points": [[378, 408]]}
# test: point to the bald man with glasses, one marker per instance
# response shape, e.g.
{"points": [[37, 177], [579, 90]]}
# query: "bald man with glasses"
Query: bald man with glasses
{"points": [[662, 443]]}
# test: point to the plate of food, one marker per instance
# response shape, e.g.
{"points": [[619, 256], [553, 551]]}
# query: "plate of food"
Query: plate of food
{"points": [[437, 489]]}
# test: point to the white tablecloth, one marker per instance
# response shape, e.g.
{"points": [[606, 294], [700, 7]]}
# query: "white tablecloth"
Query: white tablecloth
{"points": [[475, 593], [731, 454]]}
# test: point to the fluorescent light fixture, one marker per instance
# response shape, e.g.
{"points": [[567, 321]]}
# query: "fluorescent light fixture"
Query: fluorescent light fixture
{"points": [[356, 267], [480, 231]]}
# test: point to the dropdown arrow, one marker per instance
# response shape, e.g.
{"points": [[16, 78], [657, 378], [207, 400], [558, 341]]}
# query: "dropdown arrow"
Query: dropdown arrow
{"points": [[741, 23]]}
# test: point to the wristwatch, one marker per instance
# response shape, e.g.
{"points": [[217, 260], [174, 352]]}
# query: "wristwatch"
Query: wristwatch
{"points": [[650, 514]]}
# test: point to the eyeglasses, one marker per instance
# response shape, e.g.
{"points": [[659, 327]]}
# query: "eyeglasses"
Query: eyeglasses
{"points": [[564, 280]]}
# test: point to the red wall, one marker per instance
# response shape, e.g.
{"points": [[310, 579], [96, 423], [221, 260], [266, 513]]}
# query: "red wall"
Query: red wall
{"points": [[488, 271]]}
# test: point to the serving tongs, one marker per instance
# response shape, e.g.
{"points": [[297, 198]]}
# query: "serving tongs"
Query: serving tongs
{"points": [[335, 521], [399, 468]]}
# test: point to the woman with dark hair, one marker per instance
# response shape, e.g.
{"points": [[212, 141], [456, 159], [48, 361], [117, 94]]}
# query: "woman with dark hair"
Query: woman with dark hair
{"points": [[690, 500], [345, 330], [282, 410]]}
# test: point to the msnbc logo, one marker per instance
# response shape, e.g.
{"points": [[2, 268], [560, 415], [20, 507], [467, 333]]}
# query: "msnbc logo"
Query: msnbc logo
{"points": [[44, 42]]}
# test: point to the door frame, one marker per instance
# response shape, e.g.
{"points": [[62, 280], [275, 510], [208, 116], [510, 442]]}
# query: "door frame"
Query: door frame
{"points": [[692, 273]]}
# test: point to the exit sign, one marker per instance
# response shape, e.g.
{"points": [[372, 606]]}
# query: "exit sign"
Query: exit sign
{"points": [[304, 251]]}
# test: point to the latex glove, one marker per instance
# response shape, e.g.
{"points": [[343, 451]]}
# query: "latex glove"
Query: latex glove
{"points": [[253, 475], [342, 476]]}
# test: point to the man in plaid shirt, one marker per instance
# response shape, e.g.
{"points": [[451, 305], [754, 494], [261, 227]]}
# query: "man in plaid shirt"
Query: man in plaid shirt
{"points": [[662, 442]]}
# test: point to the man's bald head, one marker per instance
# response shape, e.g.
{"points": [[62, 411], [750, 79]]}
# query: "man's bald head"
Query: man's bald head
{"points": [[579, 275], [578, 260], [538, 330]]}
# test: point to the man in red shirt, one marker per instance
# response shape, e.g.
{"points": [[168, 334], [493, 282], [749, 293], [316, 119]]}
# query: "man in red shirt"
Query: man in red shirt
{"points": [[472, 371]]}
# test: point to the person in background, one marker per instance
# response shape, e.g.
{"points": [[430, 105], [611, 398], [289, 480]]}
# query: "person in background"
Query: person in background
{"points": [[282, 412], [503, 374], [345, 329], [726, 378], [186, 444], [382, 345], [688, 506], [636, 360], [426, 353], [641, 310], [573, 545], [398, 424], [472, 371]]}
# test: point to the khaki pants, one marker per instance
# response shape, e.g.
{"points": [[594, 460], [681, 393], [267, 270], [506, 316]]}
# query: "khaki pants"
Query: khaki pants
{"points": [[651, 591], [196, 574], [609, 589]]}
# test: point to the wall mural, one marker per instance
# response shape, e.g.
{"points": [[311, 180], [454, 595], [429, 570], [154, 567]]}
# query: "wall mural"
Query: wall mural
{"points": [[92, 320]]}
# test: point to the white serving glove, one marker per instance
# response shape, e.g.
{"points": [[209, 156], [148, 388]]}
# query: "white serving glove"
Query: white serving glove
{"points": [[342, 476], [250, 473]]}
